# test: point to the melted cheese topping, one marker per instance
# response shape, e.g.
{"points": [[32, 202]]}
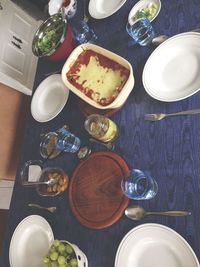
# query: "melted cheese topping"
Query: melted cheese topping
{"points": [[102, 80]]}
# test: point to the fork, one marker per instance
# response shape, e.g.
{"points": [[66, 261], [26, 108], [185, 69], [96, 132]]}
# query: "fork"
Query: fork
{"points": [[50, 209], [158, 117]]}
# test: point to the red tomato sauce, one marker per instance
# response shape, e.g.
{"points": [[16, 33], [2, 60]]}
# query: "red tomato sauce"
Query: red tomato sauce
{"points": [[83, 59]]}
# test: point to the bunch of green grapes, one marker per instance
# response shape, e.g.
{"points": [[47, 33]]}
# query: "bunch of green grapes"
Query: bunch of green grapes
{"points": [[61, 254]]}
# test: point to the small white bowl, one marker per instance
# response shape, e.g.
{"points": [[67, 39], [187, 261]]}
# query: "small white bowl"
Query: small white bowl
{"points": [[142, 4], [125, 91], [49, 98]]}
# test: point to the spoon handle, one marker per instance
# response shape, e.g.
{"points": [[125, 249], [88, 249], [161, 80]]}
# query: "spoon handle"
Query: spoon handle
{"points": [[170, 213], [33, 183], [36, 206], [50, 209], [109, 145]]}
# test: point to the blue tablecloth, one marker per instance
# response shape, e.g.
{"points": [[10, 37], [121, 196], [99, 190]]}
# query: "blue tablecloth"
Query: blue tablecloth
{"points": [[169, 149]]}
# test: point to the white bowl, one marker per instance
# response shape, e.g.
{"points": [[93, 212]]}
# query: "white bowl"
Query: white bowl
{"points": [[142, 4], [81, 257], [100, 9], [124, 93], [49, 98]]}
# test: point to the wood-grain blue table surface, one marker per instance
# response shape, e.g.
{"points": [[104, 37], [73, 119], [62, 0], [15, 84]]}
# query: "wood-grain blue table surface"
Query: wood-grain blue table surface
{"points": [[168, 149]]}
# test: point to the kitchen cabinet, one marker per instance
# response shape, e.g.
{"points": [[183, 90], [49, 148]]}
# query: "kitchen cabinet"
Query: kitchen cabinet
{"points": [[17, 62]]}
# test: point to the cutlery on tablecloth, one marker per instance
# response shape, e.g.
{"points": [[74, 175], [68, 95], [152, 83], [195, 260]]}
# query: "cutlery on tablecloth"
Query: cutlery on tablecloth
{"points": [[137, 213], [161, 38], [50, 209], [85, 17], [49, 182], [109, 145], [158, 117]]}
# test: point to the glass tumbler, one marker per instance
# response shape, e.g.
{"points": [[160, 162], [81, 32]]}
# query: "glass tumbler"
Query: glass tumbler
{"points": [[139, 185], [83, 33], [141, 31], [67, 141]]}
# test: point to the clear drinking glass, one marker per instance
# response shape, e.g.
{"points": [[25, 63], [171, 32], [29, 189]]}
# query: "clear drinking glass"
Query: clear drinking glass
{"points": [[67, 141], [83, 33], [139, 185], [141, 31]]}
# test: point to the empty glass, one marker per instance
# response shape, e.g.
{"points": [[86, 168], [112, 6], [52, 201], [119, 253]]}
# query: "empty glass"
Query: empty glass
{"points": [[141, 31], [67, 141], [83, 33], [139, 185]]}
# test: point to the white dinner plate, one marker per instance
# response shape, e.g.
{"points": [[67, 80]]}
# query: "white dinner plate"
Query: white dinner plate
{"points": [[31, 240], [171, 72], [154, 245], [100, 9], [143, 4], [49, 98]]}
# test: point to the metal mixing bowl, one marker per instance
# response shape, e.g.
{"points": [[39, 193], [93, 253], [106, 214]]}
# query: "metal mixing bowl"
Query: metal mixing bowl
{"points": [[56, 23]]}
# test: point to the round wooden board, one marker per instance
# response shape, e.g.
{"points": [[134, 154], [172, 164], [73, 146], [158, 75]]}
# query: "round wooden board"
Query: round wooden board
{"points": [[87, 109], [95, 194]]}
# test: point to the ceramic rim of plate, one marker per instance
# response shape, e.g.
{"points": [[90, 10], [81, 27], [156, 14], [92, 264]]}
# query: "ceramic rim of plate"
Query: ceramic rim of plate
{"points": [[147, 68], [158, 227], [41, 94], [103, 15], [31, 217]]}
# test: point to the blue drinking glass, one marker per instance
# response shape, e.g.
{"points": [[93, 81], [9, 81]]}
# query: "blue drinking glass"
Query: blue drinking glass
{"points": [[83, 33], [139, 185], [141, 31], [66, 141]]}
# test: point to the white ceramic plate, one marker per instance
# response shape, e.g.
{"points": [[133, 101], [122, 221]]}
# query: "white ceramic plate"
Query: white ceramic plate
{"points": [[49, 98], [172, 71], [31, 240], [154, 245], [100, 9], [143, 4]]}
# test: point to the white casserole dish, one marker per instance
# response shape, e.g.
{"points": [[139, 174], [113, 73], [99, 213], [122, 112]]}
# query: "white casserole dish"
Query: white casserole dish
{"points": [[125, 91]]}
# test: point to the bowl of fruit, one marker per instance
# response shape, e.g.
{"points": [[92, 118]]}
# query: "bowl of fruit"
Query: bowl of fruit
{"points": [[64, 254], [60, 185]]}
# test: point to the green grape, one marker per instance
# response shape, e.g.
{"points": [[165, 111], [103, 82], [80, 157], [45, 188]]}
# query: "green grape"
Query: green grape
{"points": [[52, 249], [54, 256], [73, 262], [56, 243], [69, 249], [61, 260], [45, 259], [54, 264], [64, 253], [45, 264], [61, 248], [63, 265]]}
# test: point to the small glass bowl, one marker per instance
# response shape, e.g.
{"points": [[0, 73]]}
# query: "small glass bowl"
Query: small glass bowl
{"points": [[47, 146], [58, 188], [24, 173]]}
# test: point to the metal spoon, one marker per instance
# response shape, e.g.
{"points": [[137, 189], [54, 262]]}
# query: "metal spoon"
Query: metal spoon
{"points": [[109, 146], [161, 38], [50, 209], [85, 17], [137, 213], [48, 182]]}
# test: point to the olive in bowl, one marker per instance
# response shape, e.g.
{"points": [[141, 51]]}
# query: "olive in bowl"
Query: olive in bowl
{"points": [[60, 185]]}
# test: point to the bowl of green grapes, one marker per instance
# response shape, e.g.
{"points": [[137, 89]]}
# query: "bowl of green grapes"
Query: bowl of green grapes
{"points": [[64, 254]]}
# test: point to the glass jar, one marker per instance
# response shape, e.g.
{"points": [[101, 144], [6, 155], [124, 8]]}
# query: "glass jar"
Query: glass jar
{"points": [[101, 128]]}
